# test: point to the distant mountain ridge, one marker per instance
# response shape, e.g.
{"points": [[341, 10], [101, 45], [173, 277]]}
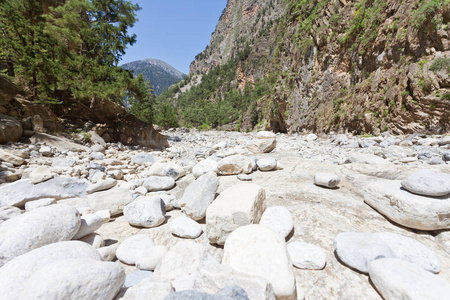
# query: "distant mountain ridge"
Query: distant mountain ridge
{"points": [[160, 74]]}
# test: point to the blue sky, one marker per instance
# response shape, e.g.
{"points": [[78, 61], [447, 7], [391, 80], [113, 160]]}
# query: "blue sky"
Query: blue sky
{"points": [[174, 31]]}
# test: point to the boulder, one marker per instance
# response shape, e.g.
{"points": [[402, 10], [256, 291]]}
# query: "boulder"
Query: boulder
{"points": [[10, 129], [152, 258], [75, 279], [146, 212], [113, 199], [409, 210], [101, 185], [8, 90], [278, 219], [357, 250], [89, 224], [32, 205], [235, 164], [259, 251], [22, 191], [307, 256], [237, 206], [428, 183], [143, 158], [199, 195], [399, 279], [159, 183], [40, 174], [328, 180], [11, 158], [205, 166], [260, 146], [15, 273], [60, 143], [185, 227], [37, 228], [133, 248], [267, 164]]}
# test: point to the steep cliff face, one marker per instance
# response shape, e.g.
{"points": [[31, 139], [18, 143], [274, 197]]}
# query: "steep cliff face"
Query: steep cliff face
{"points": [[362, 66]]}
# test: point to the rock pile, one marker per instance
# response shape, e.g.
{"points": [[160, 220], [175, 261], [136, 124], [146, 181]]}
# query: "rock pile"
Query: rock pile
{"points": [[116, 222]]}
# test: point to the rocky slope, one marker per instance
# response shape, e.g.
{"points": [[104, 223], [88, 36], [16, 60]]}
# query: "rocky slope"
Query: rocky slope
{"points": [[159, 214], [347, 66], [160, 74]]}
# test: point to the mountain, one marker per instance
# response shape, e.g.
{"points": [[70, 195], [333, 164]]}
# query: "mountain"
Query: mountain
{"points": [[160, 74], [359, 66]]}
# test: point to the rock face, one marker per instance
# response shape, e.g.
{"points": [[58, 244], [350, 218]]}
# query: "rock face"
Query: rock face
{"points": [[37, 228], [8, 90], [398, 279], [75, 279], [199, 195], [10, 129], [409, 210], [240, 205], [257, 250], [12, 281]]}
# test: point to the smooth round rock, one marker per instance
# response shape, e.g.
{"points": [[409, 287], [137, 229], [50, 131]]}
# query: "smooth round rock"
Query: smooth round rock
{"points": [[428, 183], [14, 274], [257, 250], [75, 279], [328, 180], [185, 227], [133, 248], [278, 219], [37, 228], [146, 212], [267, 164], [205, 166], [307, 256], [357, 250], [399, 279], [159, 183]]}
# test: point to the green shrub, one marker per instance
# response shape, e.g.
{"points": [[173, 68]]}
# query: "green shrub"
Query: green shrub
{"points": [[440, 64]]}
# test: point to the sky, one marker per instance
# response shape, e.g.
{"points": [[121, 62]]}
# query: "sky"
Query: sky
{"points": [[174, 31]]}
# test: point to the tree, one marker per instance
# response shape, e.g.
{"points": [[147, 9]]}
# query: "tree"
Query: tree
{"points": [[70, 48]]}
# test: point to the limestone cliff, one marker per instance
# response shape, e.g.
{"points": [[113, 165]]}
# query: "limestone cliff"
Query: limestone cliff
{"points": [[361, 66]]}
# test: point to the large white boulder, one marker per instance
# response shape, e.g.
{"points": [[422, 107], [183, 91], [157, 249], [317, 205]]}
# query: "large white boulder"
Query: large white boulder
{"points": [[259, 251], [75, 279], [14, 274], [159, 183], [399, 279], [199, 195], [409, 210], [37, 228], [237, 206], [278, 219], [146, 212], [235, 164]]}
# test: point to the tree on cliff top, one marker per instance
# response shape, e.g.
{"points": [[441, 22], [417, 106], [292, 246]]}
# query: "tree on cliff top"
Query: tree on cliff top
{"points": [[64, 49]]}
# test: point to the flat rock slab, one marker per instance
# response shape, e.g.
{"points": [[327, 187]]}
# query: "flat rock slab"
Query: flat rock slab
{"points": [[22, 191], [428, 183], [237, 206], [399, 279], [14, 274], [37, 228], [409, 210], [60, 143], [75, 279]]}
